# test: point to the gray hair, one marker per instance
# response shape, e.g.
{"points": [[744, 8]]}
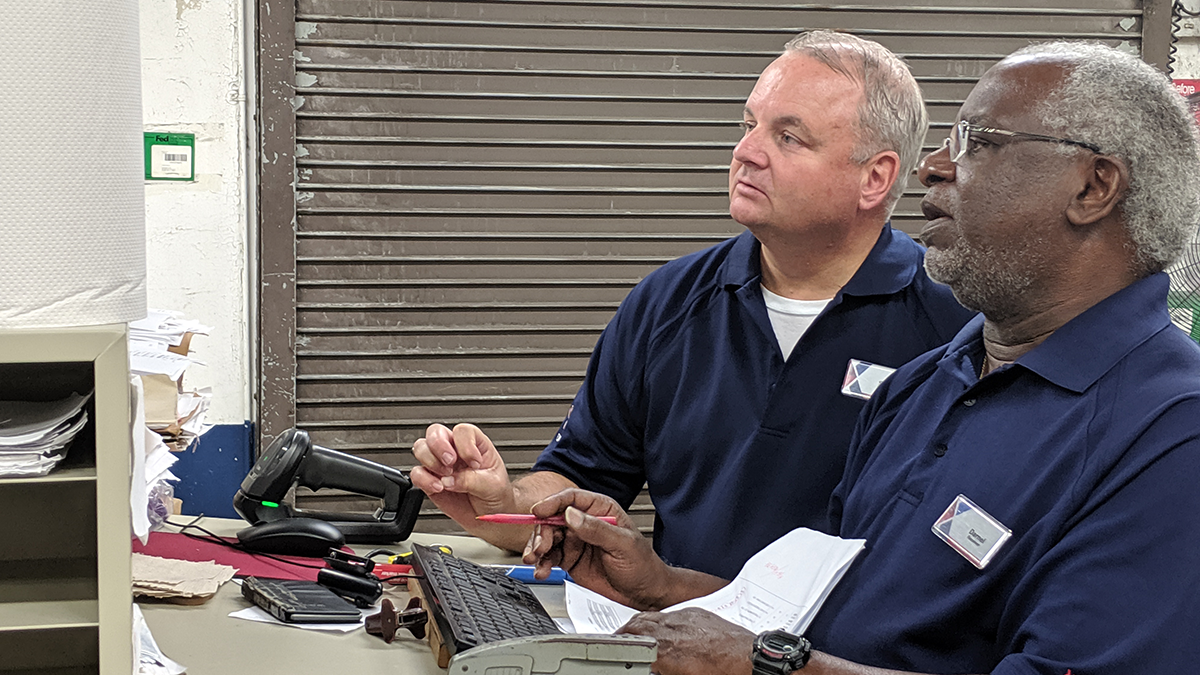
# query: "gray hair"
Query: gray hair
{"points": [[1131, 111], [892, 114]]}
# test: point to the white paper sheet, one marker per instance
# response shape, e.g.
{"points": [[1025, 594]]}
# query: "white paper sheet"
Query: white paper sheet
{"points": [[34, 435], [137, 485], [781, 587], [151, 660]]}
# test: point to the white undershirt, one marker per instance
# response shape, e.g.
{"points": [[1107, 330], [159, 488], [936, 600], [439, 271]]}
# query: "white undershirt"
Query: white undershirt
{"points": [[790, 318]]}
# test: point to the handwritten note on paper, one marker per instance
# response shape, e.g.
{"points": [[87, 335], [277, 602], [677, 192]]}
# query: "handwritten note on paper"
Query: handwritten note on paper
{"points": [[782, 586]]}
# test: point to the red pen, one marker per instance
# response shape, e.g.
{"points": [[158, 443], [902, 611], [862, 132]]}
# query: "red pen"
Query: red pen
{"points": [[530, 519]]}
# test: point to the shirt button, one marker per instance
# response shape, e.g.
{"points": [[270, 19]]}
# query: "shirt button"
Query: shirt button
{"points": [[939, 449], [969, 402]]}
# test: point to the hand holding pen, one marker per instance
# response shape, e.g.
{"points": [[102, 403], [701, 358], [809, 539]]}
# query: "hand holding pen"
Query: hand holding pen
{"points": [[530, 519], [610, 558]]}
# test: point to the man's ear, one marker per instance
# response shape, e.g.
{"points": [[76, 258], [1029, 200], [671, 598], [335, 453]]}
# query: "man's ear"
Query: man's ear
{"points": [[879, 173], [1105, 181]]}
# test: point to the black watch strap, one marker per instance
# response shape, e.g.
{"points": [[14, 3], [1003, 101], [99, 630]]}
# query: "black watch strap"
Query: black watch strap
{"points": [[778, 652]]}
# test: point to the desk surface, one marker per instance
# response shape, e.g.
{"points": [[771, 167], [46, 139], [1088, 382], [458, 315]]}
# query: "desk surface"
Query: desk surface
{"points": [[208, 642]]}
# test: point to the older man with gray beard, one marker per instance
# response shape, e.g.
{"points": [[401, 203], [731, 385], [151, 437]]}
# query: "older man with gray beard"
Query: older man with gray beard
{"points": [[1027, 492]]}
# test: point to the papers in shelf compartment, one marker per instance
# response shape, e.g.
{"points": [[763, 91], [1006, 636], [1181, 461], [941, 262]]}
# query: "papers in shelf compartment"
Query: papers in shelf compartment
{"points": [[35, 435]]}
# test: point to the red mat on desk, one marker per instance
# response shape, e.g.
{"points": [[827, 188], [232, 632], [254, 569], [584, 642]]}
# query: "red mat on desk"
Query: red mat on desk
{"points": [[182, 547]]}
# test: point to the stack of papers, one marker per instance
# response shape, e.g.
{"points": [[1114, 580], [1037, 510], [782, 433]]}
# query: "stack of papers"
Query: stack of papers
{"points": [[177, 579], [780, 588], [160, 353], [164, 328], [35, 435]]}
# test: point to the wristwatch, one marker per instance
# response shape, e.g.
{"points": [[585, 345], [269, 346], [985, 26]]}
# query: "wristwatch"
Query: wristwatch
{"points": [[779, 653]]}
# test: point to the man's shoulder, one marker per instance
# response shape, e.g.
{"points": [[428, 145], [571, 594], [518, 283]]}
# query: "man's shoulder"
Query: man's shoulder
{"points": [[1162, 371]]}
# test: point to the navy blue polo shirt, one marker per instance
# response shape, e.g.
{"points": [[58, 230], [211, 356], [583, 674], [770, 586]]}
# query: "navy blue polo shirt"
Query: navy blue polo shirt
{"points": [[1087, 448], [687, 391]]}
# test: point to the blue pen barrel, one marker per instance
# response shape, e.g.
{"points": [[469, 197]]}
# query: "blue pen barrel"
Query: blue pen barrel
{"points": [[524, 573]]}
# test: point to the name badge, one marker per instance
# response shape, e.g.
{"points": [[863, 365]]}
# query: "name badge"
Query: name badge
{"points": [[862, 378], [969, 530]]}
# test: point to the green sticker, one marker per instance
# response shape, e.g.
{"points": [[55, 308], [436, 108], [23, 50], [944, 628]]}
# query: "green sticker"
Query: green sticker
{"points": [[170, 156]]}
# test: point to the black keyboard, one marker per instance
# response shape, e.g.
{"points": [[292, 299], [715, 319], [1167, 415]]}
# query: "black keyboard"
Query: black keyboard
{"points": [[475, 605]]}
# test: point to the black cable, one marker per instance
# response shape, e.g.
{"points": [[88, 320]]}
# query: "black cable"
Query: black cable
{"points": [[1178, 11], [216, 539]]}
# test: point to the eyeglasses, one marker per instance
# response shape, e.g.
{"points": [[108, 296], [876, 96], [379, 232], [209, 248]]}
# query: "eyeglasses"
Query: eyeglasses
{"points": [[960, 138]]}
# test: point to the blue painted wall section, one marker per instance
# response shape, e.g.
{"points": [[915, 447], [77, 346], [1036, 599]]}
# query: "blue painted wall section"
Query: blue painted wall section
{"points": [[212, 469]]}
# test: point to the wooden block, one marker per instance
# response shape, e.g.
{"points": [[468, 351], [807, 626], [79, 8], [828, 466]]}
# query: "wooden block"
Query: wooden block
{"points": [[440, 651]]}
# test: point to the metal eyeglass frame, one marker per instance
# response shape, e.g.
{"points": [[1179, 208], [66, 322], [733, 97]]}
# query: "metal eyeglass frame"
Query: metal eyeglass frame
{"points": [[961, 134]]}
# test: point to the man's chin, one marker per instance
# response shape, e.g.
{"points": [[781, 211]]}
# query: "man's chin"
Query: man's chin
{"points": [[942, 266]]}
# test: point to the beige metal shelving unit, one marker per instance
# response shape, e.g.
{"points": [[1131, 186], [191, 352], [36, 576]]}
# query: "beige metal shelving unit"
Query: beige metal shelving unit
{"points": [[64, 538]]}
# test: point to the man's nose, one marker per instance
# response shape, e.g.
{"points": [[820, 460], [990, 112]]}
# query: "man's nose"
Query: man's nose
{"points": [[936, 167], [749, 149]]}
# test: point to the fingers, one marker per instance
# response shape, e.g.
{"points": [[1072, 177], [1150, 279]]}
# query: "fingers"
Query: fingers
{"points": [[544, 550], [642, 623], [425, 480], [442, 450], [474, 448], [588, 502], [435, 451]]}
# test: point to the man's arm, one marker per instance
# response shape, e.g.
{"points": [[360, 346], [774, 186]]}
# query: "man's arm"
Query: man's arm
{"points": [[695, 642], [464, 475], [619, 563]]}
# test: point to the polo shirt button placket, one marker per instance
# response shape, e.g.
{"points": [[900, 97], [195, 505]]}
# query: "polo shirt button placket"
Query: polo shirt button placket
{"points": [[939, 449]]}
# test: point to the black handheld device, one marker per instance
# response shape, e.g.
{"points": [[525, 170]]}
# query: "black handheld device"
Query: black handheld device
{"points": [[293, 601], [350, 576], [292, 459]]}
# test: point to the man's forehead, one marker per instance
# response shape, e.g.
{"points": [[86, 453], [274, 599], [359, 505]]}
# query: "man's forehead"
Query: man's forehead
{"points": [[796, 77], [1013, 88]]}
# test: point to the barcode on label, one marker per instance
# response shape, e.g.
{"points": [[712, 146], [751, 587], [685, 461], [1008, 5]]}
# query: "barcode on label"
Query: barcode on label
{"points": [[175, 157]]}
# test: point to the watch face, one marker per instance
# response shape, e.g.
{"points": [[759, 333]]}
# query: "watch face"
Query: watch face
{"points": [[780, 644]]}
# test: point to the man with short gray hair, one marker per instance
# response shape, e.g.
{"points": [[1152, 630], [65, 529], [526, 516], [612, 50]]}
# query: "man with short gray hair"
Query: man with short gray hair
{"points": [[729, 380], [1027, 492]]}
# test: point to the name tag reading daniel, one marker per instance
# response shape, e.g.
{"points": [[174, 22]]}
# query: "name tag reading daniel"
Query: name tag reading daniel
{"points": [[969, 530]]}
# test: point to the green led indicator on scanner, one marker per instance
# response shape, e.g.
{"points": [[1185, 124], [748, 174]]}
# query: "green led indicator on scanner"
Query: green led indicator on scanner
{"points": [[273, 505]]}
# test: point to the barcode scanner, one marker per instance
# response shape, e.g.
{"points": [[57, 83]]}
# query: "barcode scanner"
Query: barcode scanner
{"points": [[292, 460]]}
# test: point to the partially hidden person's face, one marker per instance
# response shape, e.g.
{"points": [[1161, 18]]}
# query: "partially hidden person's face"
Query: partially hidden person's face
{"points": [[792, 171], [995, 216]]}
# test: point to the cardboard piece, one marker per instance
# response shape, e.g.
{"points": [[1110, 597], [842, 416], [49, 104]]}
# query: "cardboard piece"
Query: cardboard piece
{"points": [[162, 399]]}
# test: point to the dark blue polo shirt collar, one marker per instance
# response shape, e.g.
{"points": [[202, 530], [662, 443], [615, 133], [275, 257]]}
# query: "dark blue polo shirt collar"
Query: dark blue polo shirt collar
{"points": [[889, 267], [1111, 328]]}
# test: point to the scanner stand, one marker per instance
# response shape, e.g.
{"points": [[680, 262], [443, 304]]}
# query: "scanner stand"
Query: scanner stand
{"points": [[546, 654]]}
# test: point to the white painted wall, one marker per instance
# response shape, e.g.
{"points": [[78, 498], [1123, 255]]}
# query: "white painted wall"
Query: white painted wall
{"points": [[193, 63]]}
